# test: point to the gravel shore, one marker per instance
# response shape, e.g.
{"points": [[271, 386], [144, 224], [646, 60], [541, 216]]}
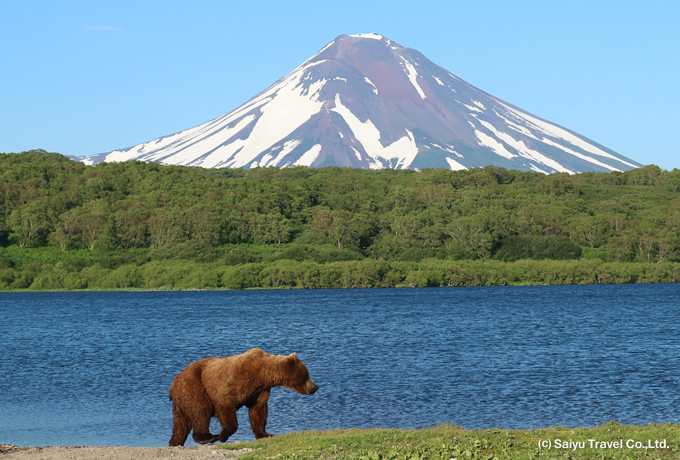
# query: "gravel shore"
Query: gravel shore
{"points": [[8, 451]]}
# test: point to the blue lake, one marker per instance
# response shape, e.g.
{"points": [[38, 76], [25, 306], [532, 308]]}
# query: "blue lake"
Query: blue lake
{"points": [[94, 368]]}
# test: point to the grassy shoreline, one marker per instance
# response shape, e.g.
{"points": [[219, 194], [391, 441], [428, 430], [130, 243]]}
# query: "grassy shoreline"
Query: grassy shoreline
{"points": [[48, 269], [608, 441]]}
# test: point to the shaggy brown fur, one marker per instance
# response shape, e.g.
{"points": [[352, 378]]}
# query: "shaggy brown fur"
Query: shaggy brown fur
{"points": [[218, 387]]}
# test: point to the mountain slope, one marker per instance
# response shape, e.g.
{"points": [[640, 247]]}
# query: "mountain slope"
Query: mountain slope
{"points": [[364, 101]]}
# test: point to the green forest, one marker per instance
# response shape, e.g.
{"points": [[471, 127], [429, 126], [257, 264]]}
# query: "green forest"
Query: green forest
{"points": [[67, 226]]}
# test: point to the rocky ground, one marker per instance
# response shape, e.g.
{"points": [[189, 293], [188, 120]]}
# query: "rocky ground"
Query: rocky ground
{"points": [[8, 451]]}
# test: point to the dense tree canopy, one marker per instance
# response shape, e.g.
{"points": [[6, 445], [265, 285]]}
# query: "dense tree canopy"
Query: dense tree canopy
{"points": [[81, 225]]}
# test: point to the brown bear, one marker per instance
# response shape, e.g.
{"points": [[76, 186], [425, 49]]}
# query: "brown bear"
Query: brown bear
{"points": [[219, 386]]}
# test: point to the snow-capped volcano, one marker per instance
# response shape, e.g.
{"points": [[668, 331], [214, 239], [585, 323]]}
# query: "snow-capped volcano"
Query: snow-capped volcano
{"points": [[364, 101]]}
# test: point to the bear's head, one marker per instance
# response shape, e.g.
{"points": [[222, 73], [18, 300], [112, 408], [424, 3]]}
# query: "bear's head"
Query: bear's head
{"points": [[298, 376]]}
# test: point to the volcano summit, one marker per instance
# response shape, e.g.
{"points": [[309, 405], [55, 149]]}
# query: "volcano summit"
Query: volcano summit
{"points": [[364, 101]]}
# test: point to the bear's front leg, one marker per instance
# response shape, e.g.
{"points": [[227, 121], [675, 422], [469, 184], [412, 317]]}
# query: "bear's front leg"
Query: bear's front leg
{"points": [[227, 417], [257, 412]]}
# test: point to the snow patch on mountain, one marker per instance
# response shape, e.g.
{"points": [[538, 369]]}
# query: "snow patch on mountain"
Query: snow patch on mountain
{"points": [[492, 143], [292, 106], [270, 160], [579, 155], [375, 88], [373, 36], [309, 156], [472, 108], [454, 165], [404, 150], [521, 148], [555, 131], [447, 149], [412, 75]]}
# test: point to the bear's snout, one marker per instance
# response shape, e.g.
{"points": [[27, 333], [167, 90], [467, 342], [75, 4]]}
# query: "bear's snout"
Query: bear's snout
{"points": [[310, 387]]}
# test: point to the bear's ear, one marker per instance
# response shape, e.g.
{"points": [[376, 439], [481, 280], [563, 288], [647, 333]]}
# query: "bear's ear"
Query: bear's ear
{"points": [[293, 357]]}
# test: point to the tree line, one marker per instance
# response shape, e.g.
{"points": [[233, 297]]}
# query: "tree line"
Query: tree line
{"points": [[66, 225]]}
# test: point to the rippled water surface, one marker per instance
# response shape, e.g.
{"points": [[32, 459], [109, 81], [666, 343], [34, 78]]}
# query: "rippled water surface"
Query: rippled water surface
{"points": [[95, 368]]}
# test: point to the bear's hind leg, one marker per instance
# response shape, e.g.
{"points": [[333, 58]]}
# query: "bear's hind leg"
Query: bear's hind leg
{"points": [[181, 426], [227, 418], [200, 410], [205, 437], [201, 425]]}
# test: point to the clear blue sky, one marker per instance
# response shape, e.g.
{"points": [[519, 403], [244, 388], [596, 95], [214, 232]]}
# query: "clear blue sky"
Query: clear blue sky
{"points": [[84, 77]]}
